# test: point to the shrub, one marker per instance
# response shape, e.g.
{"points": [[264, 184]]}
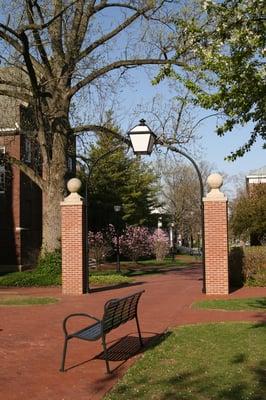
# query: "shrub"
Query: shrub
{"points": [[247, 265], [160, 244], [50, 263], [255, 265], [136, 243], [109, 279], [99, 247], [46, 273], [30, 278]]}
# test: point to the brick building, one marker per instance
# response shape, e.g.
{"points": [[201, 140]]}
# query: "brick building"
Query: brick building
{"points": [[256, 177], [20, 198], [253, 180]]}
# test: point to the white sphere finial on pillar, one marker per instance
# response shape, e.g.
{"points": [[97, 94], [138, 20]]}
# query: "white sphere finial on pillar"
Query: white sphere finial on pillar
{"points": [[74, 185], [215, 181]]}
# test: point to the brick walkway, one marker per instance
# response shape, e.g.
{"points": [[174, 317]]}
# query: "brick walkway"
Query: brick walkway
{"points": [[32, 339]]}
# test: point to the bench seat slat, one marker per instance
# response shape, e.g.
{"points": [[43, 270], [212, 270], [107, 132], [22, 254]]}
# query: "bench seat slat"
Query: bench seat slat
{"points": [[93, 332]]}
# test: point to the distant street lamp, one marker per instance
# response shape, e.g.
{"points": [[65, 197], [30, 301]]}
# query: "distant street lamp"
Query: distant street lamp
{"points": [[171, 237], [142, 140], [117, 209]]}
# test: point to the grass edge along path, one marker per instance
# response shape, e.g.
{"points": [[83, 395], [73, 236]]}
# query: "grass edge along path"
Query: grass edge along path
{"points": [[245, 304], [200, 362], [26, 300]]}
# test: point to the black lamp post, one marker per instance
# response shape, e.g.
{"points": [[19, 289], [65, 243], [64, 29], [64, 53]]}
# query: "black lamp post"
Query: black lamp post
{"points": [[142, 141], [117, 209]]}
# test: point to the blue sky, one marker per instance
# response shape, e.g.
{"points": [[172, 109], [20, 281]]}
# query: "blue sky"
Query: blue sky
{"points": [[214, 148]]}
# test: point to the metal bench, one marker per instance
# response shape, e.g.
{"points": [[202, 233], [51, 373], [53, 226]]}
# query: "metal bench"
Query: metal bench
{"points": [[116, 312]]}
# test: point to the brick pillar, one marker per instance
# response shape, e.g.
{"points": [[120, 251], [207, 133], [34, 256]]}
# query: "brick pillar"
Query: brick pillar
{"points": [[72, 237], [216, 238]]}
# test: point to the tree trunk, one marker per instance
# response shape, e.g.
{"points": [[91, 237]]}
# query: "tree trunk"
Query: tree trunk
{"points": [[51, 234], [55, 175]]}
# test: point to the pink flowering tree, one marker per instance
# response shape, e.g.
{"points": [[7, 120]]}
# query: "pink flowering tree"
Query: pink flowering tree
{"points": [[136, 243], [160, 244], [111, 236], [99, 247]]}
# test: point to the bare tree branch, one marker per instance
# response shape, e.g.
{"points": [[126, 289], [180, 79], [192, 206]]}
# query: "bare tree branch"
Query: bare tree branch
{"points": [[100, 129], [115, 65], [15, 84], [33, 26], [112, 34], [18, 46], [55, 31], [16, 95], [37, 37], [27, 170], [26, 54]]}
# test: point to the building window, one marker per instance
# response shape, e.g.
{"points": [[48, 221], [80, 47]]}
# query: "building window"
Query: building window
{"points": [[27, 150], [2, 173], [70, 164]]}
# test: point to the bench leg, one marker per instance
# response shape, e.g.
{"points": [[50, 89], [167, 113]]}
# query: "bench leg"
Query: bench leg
{"points": [[105, 355], [140, 338], [62, 369]]}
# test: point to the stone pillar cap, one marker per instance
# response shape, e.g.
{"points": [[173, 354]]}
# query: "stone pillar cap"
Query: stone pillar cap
{"points": [[215, 181], [73, 185]]}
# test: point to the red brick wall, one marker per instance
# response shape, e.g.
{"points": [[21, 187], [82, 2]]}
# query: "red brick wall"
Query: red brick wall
{"points": [[216, 247], [20, 207], [10, 243], [72, 229]]}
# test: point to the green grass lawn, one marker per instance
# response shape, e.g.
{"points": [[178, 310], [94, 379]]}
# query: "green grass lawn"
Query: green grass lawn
{"points": [[40, 277], [256, 303], [26, 300], [36, 279], [109, 279], [225, 361]]}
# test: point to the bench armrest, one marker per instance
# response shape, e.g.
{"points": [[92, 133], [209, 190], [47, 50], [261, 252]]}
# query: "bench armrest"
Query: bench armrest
{"points": [[76, 315]]}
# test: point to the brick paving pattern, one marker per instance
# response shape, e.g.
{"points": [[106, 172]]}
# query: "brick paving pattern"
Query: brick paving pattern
{"points": [[32, 337]]}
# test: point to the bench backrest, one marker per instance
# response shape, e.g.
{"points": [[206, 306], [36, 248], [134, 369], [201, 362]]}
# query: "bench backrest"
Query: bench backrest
{"points": [[118, 311]]}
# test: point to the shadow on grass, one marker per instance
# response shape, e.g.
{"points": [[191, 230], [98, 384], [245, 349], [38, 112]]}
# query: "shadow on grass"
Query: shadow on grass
{"points": [[262, 303], [261, 323], [238, 376], [129, 346], [123, 349], [195, 384]]}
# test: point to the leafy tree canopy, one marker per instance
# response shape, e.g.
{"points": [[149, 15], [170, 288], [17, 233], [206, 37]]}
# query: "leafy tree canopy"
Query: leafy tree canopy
{"points": [[249, 214], [226, 62]]}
